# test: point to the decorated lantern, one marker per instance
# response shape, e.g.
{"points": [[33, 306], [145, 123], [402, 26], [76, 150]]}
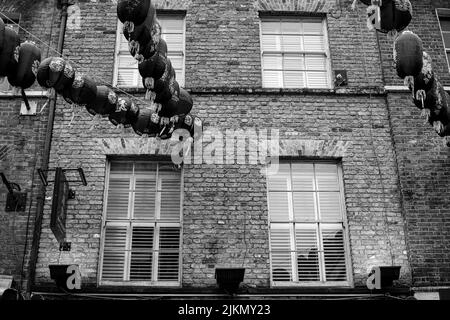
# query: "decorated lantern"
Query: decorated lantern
{"points": [[423, 82], [154, 126], [28, 57], [142, 120], [98, 105], [82, 91], [132, 12], [177, 106], [408, 57], [388, 16], [65, 78], [43, 73], [141, 35], [9, 47], [126, 113], [146, 50]]}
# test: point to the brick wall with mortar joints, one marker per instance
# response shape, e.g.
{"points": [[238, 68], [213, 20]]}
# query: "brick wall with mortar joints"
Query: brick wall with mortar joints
{"points": [[215, 193], [24, 138], [423, 165], [303, 116]]}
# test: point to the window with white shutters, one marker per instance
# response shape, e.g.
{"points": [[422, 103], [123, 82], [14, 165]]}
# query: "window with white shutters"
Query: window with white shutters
{"points": [[294, 53], [307, 227], [444, 20], [141, 240], [173, 29]]}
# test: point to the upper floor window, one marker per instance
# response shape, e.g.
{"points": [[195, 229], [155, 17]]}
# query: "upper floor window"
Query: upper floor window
{"points": [[141, 237], [295, 53], [11, 22], [126, 67], [308, 242], [444, 20]]}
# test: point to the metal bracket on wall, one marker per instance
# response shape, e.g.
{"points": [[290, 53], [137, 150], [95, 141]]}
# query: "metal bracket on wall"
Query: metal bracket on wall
{"points": [[15, 199]]}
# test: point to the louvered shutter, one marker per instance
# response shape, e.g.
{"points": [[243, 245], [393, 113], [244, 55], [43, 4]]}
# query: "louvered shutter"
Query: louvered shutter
{"points": [[145, 197], [114, 252], [334, 254], [281, 253], [118, 197], [169, 254], [141, 253], [307, 253], [170, 188]]}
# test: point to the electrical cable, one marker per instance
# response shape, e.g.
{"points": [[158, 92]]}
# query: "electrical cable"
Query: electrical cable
{"points": [[74, 63]]}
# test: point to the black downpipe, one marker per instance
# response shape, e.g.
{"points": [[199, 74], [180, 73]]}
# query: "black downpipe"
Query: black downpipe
{"points": [[63, 5]]}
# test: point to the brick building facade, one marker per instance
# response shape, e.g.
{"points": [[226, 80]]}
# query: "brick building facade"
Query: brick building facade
{"points": [[390, 165]]}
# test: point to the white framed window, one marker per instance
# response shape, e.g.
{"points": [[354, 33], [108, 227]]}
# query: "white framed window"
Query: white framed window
{"points": [[295, 53], [126, 73], [5, 87], [444, 21], [308, 243], [141, 234]]}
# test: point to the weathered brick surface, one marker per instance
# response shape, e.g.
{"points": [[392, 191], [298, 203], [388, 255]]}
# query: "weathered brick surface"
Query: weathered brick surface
{"points": [[221, 201], [422, 158], [22, 138]]}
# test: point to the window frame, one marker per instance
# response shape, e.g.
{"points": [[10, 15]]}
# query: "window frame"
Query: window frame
{"points": [[314, 224], [117, 52], [326, 52], [130, 223], [444, 13]]}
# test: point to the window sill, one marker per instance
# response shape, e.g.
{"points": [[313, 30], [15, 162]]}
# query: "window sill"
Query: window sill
{"points": [[29, 93], [337, 284]]}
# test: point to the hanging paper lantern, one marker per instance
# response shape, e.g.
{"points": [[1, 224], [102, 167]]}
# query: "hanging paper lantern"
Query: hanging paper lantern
{"points": [[82, 91], [43, 73], [153, 67], [142, 33], [132, 12], [440, 117], [388, 16], [8, 52], [408, 55], [126, 113], [147, 50], [98, 105], [29, 57], [180, 105], [154, 127], [56, 71], [65, 78], [143, 117]]}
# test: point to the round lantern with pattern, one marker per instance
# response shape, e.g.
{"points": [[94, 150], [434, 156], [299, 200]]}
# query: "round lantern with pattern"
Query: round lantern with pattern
{"points": [[132, 12], [408, 56], [8, 51], [28, 58]]}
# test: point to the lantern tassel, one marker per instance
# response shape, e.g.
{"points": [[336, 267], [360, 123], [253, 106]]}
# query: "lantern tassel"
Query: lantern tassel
{"points": [[421, 95], [409, 82], [426, 114], [128, 26], [354, 5], [392, 35], [438, 126]]}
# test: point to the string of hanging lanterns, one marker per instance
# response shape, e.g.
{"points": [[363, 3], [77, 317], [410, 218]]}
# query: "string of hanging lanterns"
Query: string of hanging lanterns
{"points": [[168, 107]]}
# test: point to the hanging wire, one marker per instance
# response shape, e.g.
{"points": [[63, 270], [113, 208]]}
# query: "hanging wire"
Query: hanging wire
{"points": [[72, 62]]}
